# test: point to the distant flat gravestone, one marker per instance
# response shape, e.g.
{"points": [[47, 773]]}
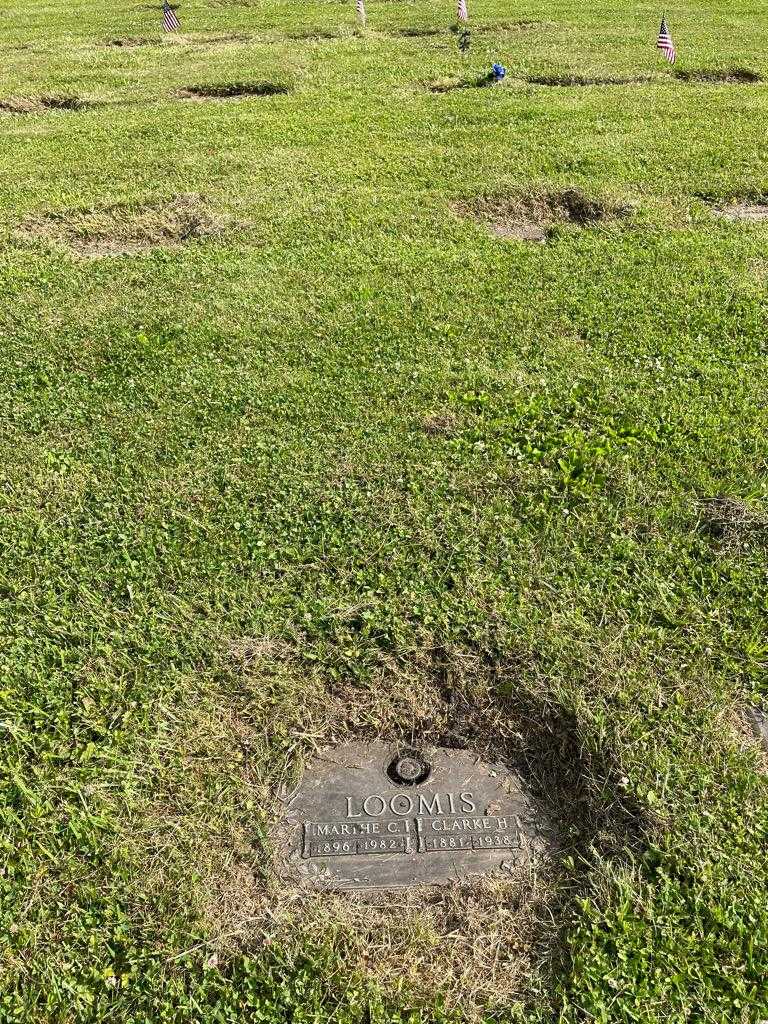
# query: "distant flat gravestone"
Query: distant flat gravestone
{"points": [[374, 816], [757, 719]]}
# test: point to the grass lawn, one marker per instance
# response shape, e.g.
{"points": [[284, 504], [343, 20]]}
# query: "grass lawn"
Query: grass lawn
{"points": [[296, 449]]}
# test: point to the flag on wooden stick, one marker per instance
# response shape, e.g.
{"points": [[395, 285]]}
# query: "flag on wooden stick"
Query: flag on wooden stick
{"points": [[360, 8], [461, 11], [170, 22], [664, 42]]}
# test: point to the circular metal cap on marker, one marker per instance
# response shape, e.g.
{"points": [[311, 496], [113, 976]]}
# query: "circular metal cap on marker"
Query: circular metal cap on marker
{"points": [[408, 769]]}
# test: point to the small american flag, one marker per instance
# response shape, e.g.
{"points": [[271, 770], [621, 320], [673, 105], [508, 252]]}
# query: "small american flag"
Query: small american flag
{"points": [[665, 44], [360, 8], [461, 11], [170, 22]]}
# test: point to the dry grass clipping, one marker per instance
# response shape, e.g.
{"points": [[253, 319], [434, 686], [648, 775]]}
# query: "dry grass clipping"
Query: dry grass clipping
{"points": [[732, 521], [125, 229]]}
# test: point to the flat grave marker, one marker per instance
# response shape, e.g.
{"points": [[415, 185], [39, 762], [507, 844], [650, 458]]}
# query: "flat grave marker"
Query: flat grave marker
{"points": [[375, 816]]}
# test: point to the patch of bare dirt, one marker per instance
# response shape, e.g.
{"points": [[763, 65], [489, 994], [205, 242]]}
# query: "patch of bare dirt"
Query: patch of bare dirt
{"points": [[753, 212], [123, 229], [532, 217], [40, 104], [734, 76], [232, 90], [441, 424], [450, 84]]}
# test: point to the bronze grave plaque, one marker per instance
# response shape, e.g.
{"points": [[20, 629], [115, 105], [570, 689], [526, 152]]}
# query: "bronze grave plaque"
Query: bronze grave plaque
{"points": [[373, 816], [757, 719]]}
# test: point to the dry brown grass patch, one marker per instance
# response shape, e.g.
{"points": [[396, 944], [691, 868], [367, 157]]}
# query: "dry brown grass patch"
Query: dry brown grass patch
{"points": [[473, 943], [532, 217], [125, 229], [40, 104], [477, 943], [441, 424], [732, 521], [755, 211]]}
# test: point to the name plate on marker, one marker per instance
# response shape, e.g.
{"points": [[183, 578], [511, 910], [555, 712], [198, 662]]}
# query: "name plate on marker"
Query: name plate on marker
{"points": [[337, 838], [368, 816], [487, 833]]}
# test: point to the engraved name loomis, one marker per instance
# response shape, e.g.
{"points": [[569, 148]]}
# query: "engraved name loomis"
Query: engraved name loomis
{"points": [[410, 823], [375, 806]]}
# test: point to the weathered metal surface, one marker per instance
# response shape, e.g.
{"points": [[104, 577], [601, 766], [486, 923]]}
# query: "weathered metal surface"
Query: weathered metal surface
{"points": [[757, 719], [372, 816]]}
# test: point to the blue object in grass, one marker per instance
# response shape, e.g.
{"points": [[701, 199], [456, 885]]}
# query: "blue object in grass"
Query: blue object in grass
{"points": [[498, 71]]}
